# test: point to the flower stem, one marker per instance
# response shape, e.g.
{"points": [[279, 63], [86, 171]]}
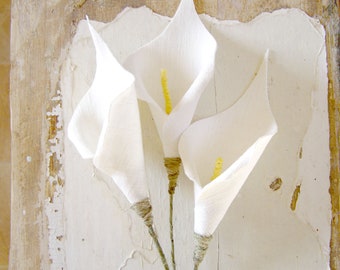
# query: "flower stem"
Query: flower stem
{"points": [[144, 210], [159, 248], [171, 198], [172, 166]]}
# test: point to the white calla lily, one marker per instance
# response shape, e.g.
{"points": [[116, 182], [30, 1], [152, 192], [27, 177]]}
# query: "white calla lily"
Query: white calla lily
{"points": [[105, 125], [172, 71], [238, 136], [186, 50], [88, 118], [120, 149]]}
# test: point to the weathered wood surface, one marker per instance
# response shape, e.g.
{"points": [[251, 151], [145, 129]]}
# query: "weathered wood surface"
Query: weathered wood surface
{"points": [[5, 134], [41, 32]]}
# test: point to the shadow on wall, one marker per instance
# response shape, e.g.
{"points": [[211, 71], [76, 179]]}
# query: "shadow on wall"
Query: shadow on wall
{"points": [[5, 135]]}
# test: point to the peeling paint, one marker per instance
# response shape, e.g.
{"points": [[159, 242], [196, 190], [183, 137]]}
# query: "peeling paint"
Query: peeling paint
{"points": [[53, 165], [52, 131], [132, 256], [300, 153], [332, 43], [276, 184], [54, 185], [295, 197], [125, 262]]}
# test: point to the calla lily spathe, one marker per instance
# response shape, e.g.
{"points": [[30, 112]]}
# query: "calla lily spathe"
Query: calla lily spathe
{"points": [[105, 125], [238, 135], [186, 50]]}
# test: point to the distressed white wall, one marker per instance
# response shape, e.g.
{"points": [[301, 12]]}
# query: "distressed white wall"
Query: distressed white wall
{"points": [[260, 231]]}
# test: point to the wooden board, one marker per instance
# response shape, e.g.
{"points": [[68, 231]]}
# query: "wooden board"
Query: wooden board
{"points": [[5, 134], [40, 35]]}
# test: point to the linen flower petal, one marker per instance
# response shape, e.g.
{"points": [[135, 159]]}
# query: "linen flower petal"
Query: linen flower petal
{"points": [[186, 50], [238, 135], [120, 147], [110, 80], [105, 125]]}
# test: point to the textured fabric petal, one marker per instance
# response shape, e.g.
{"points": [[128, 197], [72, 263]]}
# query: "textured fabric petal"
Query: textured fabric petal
{"points": [[110, 80], [187, 51], [105, 125], [120, 147], [238, 135]]}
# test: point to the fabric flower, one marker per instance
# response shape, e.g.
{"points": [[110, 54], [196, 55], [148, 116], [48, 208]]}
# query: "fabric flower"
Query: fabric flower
{"points": [[171, 73], [105, 125], [186, 51], [230, 144]]}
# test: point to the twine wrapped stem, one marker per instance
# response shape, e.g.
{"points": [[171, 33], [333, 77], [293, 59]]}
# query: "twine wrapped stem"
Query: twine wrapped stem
{"points": [[172, 166], [201, 247], [144, 210]]}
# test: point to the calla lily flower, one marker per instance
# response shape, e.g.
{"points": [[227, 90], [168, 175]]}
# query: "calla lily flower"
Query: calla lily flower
{"points": [[186, 50], [171, 73], [236, 137], [105, 125]]}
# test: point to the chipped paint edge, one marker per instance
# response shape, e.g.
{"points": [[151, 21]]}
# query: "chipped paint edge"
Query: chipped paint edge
{"points": [[330, 19], [54, 191]]}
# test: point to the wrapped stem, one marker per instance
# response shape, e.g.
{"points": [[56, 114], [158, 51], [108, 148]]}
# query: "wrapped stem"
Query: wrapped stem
{"points": [[144, 210], [172, 166], [201, 247]]}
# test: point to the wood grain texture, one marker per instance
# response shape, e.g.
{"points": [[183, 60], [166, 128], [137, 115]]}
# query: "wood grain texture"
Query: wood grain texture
{"points": [[5, 134], [41, 31], [38, 35]]}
